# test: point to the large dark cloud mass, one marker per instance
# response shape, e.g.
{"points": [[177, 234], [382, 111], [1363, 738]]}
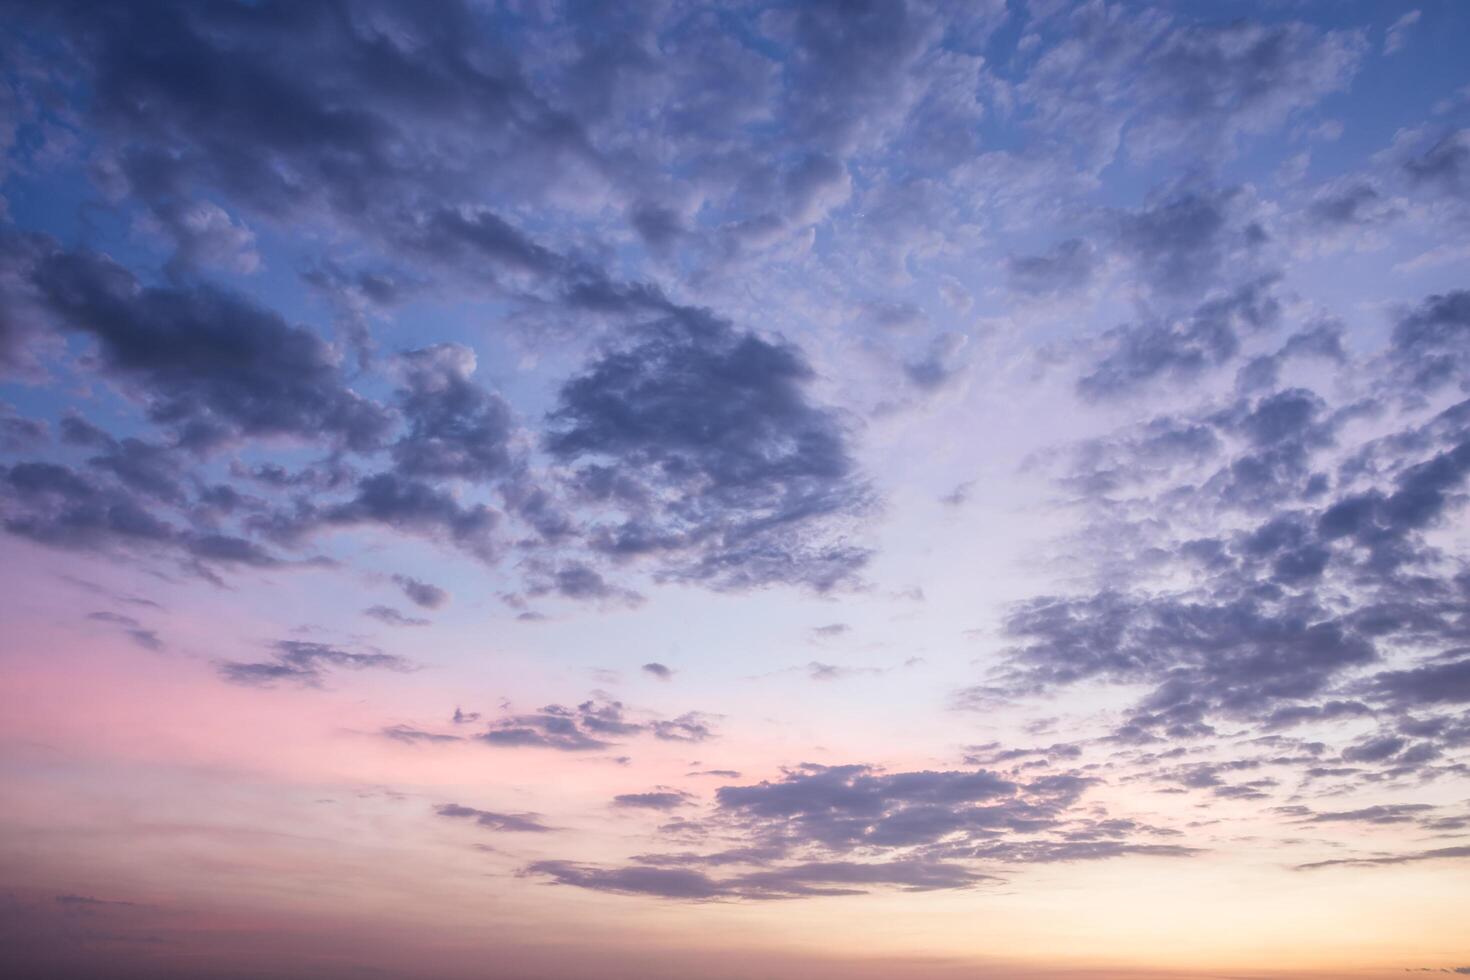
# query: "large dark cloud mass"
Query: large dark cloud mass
{"points": [[706, 439], [697, 446], [209, 365]]}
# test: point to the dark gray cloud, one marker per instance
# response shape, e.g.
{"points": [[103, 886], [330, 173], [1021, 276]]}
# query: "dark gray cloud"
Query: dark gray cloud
{"points": [[61, 507], [456, 428], [306, 663], [688, 727], [1434, 683], [339, 112], [849, 67], [1239, 654], [409, 506], [1332, 567], [940, 363], [655, 800], [1148, 451], [1391, 813], [1180, 350], [845, 830], [744, 482], [594, 724], [1065, 268], [409, 735], [1321, 341], [816, 878], [1179, 240], [210, 365], [389, 616], [658, 670], [525, 823], [1413, 857], [1354, 204], [552, 728], [1443, 167], [422, 593], [22, 311], [580, 581], [848, 806], [17, 433], [677, 883], [1431, 344], [704, 439]]}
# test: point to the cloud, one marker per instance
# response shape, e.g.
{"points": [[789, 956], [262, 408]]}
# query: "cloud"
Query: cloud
{"points": [[1179, 240], [1066, 268], [414, 736], [579, 581], [456, 428], [145, 638], [409, 506], [1136, 355], [1209, 84], [1140, 81], [58, 506], [1444, 167], [17, 433], [825, 878], [940, 364], [525, 823], [657, 882], [1435, 683], [392, 617], [422, 593], [704, 440], [305, 663], [688, 727], [819, 671], [844, 830], [200, 107], [1429, 342], [590, 726], [1393, 813], [1267, 564], [1234, 654], [1356, 204], [659, 800], [1413, 857], [1397, 35], [544, 731], [209, 364]]}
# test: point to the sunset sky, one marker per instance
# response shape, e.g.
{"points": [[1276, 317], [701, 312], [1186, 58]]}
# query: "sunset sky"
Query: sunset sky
{"points": [[555, 490]]}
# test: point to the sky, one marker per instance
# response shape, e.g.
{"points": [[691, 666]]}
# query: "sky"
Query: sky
{"points": [[553, 490]]}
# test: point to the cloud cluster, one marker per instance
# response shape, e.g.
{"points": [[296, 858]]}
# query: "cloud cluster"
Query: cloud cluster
{"points": [[844, 830], [593, 725], [306, 663]]}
